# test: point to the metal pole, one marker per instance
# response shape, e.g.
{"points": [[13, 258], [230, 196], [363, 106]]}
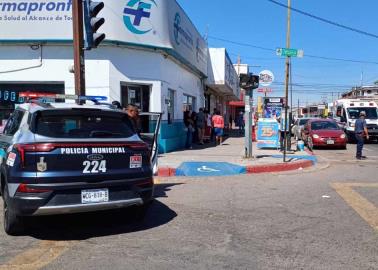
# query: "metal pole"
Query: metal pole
{"points": [[79, 60], [287, 77], [291, 104], [248, 97]]}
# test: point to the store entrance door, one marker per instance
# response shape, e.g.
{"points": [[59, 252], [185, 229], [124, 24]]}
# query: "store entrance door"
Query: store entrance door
{"points": [[138, 95]]}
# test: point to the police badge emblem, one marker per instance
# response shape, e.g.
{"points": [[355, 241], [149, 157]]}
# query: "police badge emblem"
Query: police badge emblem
{"points": [[41, 165]]}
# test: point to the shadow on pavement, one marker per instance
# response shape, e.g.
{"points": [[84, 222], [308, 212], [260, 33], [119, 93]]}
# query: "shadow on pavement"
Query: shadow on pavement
{"points": [[162, 189], [103, 223]]}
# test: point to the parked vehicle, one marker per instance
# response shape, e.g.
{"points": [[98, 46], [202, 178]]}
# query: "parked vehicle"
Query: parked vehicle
{"points": [[59, 158], [298, 127], [323, 132], [348, 110]]}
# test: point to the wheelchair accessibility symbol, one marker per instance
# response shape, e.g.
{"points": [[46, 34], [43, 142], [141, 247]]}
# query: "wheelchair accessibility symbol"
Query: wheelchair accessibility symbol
{"points": [[206, 169]]}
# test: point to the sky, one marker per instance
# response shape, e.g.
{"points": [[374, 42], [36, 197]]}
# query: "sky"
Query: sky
{"points": [[261, 23]]}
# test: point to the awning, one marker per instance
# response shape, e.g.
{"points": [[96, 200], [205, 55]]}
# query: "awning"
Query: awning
{"points": [[238, 103]]}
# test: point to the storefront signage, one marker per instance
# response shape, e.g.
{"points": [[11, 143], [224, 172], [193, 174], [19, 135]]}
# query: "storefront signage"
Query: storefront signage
{"points": [[266, 78], [230, 74], [10, 96], [148, 23], [134, 13], [273, 107], [185, 39], [267, 133], [265, 90]]}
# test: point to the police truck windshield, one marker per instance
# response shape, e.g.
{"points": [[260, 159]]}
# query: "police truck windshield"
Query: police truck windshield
{"points": [[371, 113]]}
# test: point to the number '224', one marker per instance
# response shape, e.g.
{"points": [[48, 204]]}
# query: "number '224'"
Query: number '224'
{"points": [[94, 166]]}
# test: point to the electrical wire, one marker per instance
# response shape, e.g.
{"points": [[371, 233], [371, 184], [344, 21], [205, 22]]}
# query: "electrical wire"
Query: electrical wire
{"points": [[362, 32], [306, 55]]}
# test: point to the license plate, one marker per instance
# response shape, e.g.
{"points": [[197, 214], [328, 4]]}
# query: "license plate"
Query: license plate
{"points": [[330, 142], [136, 162], [95, 195]]}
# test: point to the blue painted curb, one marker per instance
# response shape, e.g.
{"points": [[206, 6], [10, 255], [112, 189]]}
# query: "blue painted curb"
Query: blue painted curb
{"points": [[312, 158]]}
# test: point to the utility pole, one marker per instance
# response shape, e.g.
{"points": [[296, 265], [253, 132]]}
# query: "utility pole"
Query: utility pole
{"points": [[298, 109], [79, 60], [287, 77]]}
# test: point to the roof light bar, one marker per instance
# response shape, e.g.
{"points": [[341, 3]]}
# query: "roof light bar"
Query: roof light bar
{"points": [[32, 95]]}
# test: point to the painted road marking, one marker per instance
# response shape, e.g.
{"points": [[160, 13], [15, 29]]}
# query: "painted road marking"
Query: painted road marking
{"points": [[367, 210], [39, 256], [199, 168]]}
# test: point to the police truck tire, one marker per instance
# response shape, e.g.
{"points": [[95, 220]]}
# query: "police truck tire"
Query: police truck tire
{"points": [[13, 224]]}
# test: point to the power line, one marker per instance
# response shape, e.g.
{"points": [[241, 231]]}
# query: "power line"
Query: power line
{"points": [[242, 44], [326, 20], [306, 55]]}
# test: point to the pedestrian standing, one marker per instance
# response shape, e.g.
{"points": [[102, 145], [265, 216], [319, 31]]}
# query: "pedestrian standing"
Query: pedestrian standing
{"points": [[195, 130], [133, 112], [218, 123], [117, 104], [360, 130], [208, 131], [241, 123], [212, 136], [188, 122], [201, 122]]}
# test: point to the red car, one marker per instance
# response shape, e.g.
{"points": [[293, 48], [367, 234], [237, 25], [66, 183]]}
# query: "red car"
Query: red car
{"points": [[323, 132]]}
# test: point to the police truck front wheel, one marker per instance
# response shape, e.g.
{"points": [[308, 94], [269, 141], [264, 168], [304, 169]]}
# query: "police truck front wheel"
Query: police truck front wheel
{"points": [[13, 224]]}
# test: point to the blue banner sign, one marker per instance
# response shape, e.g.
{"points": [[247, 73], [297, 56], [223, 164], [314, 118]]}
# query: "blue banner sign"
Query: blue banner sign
{"points": [[267, 133]]}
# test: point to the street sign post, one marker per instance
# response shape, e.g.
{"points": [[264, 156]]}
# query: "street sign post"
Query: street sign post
{"points": [[289, 52]]}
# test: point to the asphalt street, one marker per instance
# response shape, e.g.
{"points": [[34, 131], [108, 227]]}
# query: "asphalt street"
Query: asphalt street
{"points": [[333, 156], [318, 219]]}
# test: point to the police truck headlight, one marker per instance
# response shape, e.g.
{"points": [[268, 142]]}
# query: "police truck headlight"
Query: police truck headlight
{"points": [[315, 136], [351, 124]]}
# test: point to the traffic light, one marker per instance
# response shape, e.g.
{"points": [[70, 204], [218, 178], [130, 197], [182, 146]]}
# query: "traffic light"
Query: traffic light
{"points": [[255, 80], [92, 24], [249, 81]]}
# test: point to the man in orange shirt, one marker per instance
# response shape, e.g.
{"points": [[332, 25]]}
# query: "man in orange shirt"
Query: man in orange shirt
{"points": [[218, 124]]}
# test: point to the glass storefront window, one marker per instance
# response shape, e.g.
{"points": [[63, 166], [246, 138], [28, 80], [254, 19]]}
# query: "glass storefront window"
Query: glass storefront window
{"points": [[188, 103]]}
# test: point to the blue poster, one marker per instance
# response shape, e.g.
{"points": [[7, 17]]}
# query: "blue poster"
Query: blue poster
{"points": [[267, 133], [273, 107]]}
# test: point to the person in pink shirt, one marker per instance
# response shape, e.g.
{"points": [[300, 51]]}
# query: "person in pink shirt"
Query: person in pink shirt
{"points": [[218, 124]]}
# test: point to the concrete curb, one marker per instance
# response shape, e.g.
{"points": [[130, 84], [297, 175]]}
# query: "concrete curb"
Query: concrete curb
{"points": [[266, 168], [166, 171], [279, 167]]}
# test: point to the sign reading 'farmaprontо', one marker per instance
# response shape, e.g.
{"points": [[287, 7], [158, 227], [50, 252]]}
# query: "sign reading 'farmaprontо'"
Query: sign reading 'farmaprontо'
{"points": [[35, 20], [28, 8], [153, 23]]}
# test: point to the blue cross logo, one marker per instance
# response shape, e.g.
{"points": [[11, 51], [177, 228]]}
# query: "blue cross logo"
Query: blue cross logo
{"points": [[133, 14]]}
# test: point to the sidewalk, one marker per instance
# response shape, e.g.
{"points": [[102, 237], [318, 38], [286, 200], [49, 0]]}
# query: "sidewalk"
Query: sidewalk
{"points": [[209, 158]]}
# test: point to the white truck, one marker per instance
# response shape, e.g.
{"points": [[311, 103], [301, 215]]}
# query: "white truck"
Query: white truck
{"points": [[346, 111]]}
